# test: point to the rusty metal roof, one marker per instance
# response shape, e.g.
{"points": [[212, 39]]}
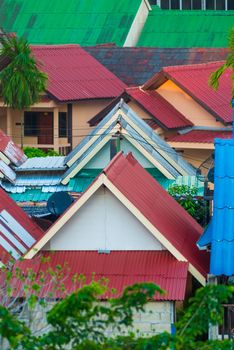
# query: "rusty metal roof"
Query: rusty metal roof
{"points": [[75, 75], [135, 65], [121, 268]]}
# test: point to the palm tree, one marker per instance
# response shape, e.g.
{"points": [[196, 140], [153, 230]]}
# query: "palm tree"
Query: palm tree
{"points": [[21, 82], [229, 64]]}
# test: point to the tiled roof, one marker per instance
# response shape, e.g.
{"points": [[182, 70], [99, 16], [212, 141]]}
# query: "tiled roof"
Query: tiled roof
{"points": [[121, 268], [164, 113], [135, 65], [11, 150], [17, 231], [66, 22], [193, 79], [202, 136], [219, 236], [74, 75], [166, 28]]}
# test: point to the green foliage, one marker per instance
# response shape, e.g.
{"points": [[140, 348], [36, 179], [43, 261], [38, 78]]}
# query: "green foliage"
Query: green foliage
{"points": [[21, 80], [229, 64], [80, 321], [187, 197], [32, 152]]}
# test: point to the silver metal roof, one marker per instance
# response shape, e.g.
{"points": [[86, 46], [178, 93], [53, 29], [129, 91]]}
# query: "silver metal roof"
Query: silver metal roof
{"points": [[152, 143], [43, 163]]}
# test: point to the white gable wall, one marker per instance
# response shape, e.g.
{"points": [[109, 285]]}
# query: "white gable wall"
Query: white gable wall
{"points": [[103, 223]]}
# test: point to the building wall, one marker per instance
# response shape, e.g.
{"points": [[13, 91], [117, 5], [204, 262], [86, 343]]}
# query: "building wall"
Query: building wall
{"points": [[158, 317], [103, 223], [82, 112], [186, 105], [196, 156]]}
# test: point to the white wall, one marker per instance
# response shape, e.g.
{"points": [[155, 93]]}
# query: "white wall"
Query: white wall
{"points": [[103, 223]]}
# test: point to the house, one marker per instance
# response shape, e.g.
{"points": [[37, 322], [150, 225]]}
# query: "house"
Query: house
{"points": [[121, 129], [135, 65], [127, 228], [180, 106], [167, 28], [186, 88], [218, 236], [78, 87], [76, 22]]}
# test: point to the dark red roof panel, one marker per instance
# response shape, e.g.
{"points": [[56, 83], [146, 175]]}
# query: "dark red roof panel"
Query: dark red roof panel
{"points": [[159, 108], [73, 74], [201, 136], [164, 213], [11, 150], [121, 268], [194, 80], [17, 231]]}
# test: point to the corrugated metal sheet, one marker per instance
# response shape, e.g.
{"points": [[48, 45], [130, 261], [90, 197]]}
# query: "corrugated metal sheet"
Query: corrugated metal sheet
{"points": [[11, 150], [75, 21], [219, 235], [135, 65], [7, 172], [159, 108], [74, 75], [177, 226], [202, 136], [17, 231], [152, 144], [42, 163], [121, 268], [166, 28], [33, 180], [193, 79]]}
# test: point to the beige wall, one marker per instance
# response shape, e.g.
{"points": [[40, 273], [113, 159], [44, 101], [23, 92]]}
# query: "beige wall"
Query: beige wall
{"points": [[186, 105], [82, 112], [196, 156]]}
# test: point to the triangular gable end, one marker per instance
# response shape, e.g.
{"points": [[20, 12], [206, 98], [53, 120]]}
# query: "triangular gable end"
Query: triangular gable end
{"points": [[101, 180]]}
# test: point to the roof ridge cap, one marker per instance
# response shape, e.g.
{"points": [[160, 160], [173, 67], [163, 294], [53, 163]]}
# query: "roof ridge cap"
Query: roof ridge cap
{"points": [[168, 69]]}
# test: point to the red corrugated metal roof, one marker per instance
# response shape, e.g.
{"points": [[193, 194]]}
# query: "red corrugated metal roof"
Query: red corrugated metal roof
{"points": [[166, 215], [73, 74], [194, 80], [11, 150], [121, 268], [202, 136], [17, 231], [159, 108]]}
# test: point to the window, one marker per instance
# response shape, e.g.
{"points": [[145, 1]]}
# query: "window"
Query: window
{"points": [[62, 124], [230, 4], [196, 4], [31, 124], [191, 4]]}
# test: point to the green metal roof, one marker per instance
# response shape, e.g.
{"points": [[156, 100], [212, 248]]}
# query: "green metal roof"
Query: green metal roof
{"points": [[80, 183], [85, 22], [174, 29]]}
